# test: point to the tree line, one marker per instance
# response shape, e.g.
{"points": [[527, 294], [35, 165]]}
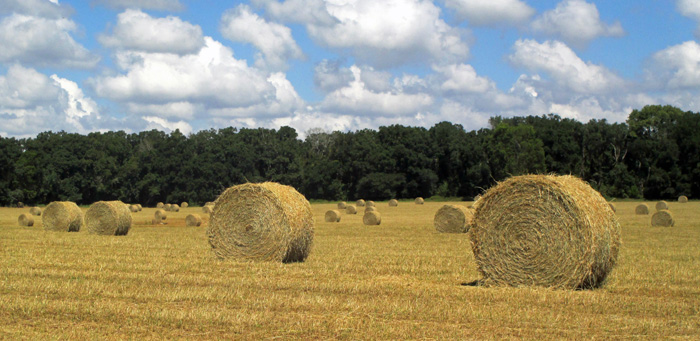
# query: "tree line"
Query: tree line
{"points": [[655, 154]]}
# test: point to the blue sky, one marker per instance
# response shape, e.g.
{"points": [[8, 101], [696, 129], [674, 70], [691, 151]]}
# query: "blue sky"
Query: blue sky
{"points": [[98, 65]]}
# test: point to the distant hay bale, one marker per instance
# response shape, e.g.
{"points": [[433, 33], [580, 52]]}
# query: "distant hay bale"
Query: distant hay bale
{"points": [[453, 219], [342, 205], [420, 201], [63, 216], [207, 209], [35, 211], [662, 218], [370, 203], [133, 208], [168, 207], [140, 207], [108, 218], [25, 220], [612, 207], [393, 203], [370, 209], [20, 204], [661, 205], [683, 199], [184, 204], [351, 209], [372, 218], [641, 209], [209, 203], [174, 208], [544, 230], [332, 216], [193, 220], [360, 203], [262, 222], [160, 205], [160, 215]]}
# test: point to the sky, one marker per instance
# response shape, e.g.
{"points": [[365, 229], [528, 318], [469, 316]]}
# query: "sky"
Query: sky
{"points": [[135, 65]]}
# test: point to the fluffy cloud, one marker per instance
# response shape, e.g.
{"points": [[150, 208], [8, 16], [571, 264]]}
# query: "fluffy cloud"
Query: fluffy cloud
{"points": [[330, 75], [676, 67], [274, 41], [166, 5], [491, 12], [576, 22], [37, 8], [136, 30], [691, 9]]}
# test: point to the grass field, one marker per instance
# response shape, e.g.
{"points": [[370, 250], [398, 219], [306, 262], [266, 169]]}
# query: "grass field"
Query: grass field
{"points": [[399, 280]]}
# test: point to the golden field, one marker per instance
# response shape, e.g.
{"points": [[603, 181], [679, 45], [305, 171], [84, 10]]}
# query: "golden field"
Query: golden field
{"points": [[398, 280]]}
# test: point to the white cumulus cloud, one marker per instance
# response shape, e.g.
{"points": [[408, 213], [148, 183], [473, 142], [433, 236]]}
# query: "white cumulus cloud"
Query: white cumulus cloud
{"points": [[576, 22], [677, 66], [165, 5], [492, 12], [690, 9]]}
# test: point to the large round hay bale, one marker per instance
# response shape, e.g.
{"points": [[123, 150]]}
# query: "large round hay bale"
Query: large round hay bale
{"points": [[420, 201], [360, 203], [63, 216], [263, 222], [370, 209], [110, 218], [661, 205], [207, 209], [160, 205], [174, 208], [372, 218], [332, 216], [544, 230], [25, 220], [393, 203], [160, 215], [342, 205], [370, 203], [641, 209], [184, 204], [35, 211], [683, 199], [351, 209], [193, 220], [453, 219], [133, 208], [662, 218]]}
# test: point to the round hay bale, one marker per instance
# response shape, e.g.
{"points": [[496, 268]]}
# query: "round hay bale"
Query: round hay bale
{"points": [[641, 209], [160, 215], [160, 205], [209, 203], [133, 208], [193, 220], [544, 230], [140, 207], [420, 201], [168, 207], [35, 211], [370, 203], [20, 204], [453, 219], [360, 203], [683, 199], [370, 209], [372, 218], [184, 204], [662, 218], [612, 207], [332, 216], [63, 216], [342, 205], [262, 222], [109, 218], [661, 205], [351, 209], [25, 220], [207, 209], [174, 208], [393, 203]]}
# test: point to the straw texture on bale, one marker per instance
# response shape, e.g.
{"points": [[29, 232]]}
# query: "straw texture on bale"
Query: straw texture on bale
{"points": [[683, 199], [193, 220], [262, 222], [184, 204], [63, 216], [160, 215], [207, 209], [168, 207], [370, 208], [370, 203], [612, 207], [25, 220], [661, 205], [174, 208], [351, 209], [209, 203], [372, 218], [544, 230], [453, 219], [641, 209], [133, 208], [160, 205], [662, 218], [332, 216], [342, 205], [420, 201], [393, 203], [360, 203], [109, 218], [35, 211], [140, 207]]}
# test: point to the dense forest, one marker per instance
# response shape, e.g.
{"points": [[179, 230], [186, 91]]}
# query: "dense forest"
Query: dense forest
{"points": [[654, 155]]}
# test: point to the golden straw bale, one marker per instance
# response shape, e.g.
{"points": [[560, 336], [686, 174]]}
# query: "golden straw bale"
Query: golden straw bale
{"points": [[35, 211], [133, 208], [661, 205], [262, 222], [544, 230], [370, 203], [360, 203], [174, 208], [207, 209], [20, 204], [420, 201], [160, 205], [683, 199], [342, 205], [351, 209], [370, 209], [641, 209], [25, 220], [184, 204], [110, 218], [193, 220], [612, 207], [453, 219], [372, 218], [140, 207], [393, 203], [168, 207], [64, 216], [332, 216], [662, 218], [160, 215]]}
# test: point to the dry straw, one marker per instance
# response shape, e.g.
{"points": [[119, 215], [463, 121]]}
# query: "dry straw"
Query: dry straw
{"points": [[360, 203], [342, 205], [193, 220], [174, 208], [168, 207], [140, 207], [372, 218], [25, 220], [612, 207], [683, 199], [207, 209], [63, 216], [351, 209], [332, 216], [35, 211], [110, 218], [661, 205], [184, 204], [453, 219], [262, 222], [420, 201], [544, 230], [370, 203], [160, 215], [662, 218], [133, 208], [641, 209], [370, 209], [160, 205], [393, 203]]}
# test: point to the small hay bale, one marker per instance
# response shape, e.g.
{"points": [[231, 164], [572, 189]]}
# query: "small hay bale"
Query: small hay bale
{"points": [[20, 204], [332, 216], [168, 207], [140, 207], [25, 220], [661, 205], [662, 218], [209, 203], [184, 204], [612, 207], [360, 203], [133, 208], [207, 209], [160, 205], [160, 215], [420, 201], [641, 209], [64, 216], [683, 199], [370, 203], [370, 209], [393, 203], [108, 218], [351, 209], [35, 211], [453, 219], [262, 222], [174, 208], [342, 205], [193, 220], [544, 230], [372, 218]]}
